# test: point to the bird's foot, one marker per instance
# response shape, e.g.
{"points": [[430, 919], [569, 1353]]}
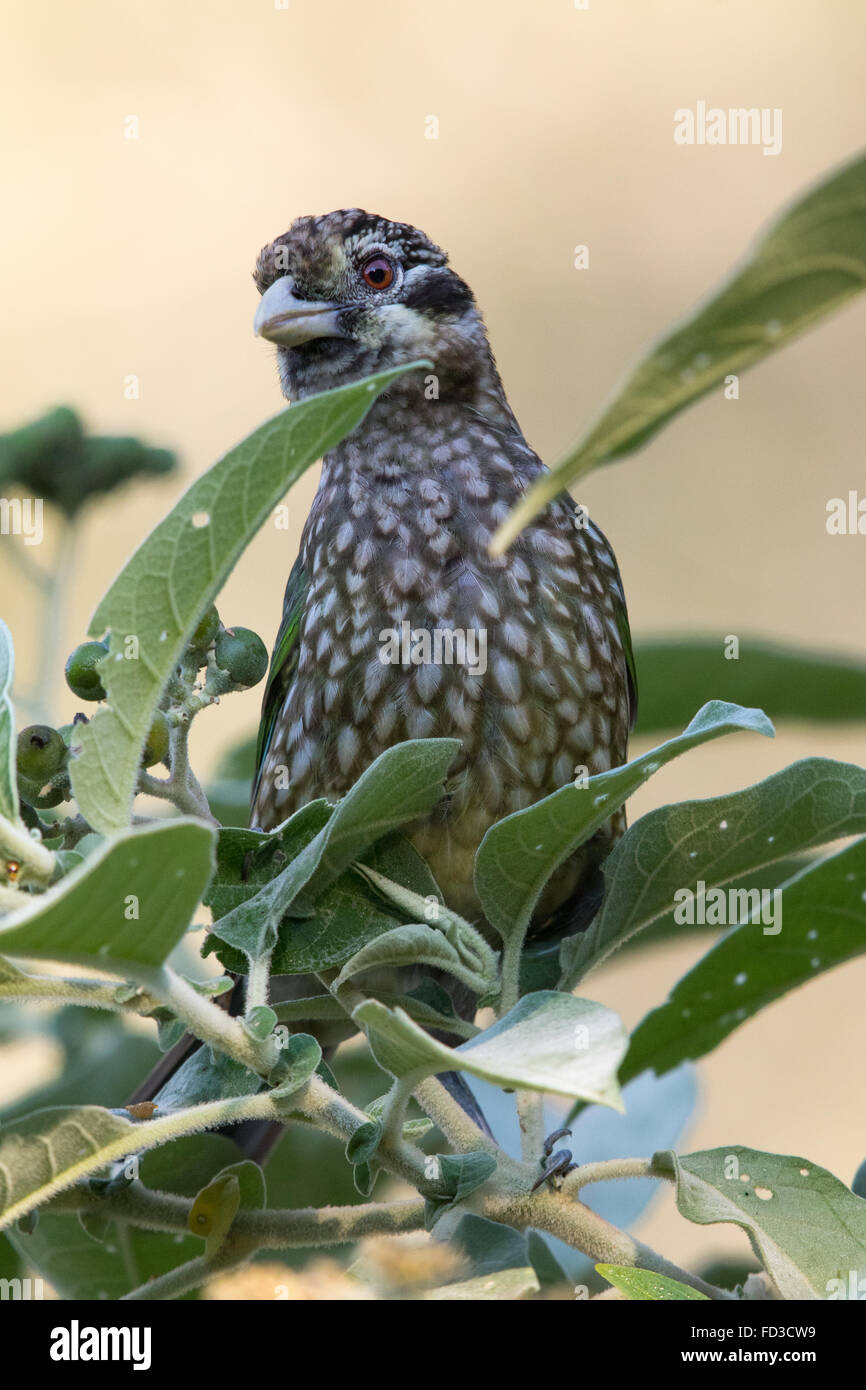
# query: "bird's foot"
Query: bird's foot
{"points": [[554, 1165]]}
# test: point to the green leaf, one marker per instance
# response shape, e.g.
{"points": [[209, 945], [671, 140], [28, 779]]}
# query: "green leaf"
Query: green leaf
{"points": [[520, 853], [251, 1184], [248, 859], [805, 1225], [52, 458], [260, 1022], [457, 1175], [489, 1246], [205, 1075], [46, 1152], [822, 914], [128, 905], [545, 1263], [79, 1268], [364, 1177], [547, 1042], [808, 264], [240, 1186], [404, 782], [344, 917], [809, 803], [214, 1211], [645, 1285], [364, 1142], [8, 742], [676, 675], [300, 1055], [418, 944], [179, 569]]}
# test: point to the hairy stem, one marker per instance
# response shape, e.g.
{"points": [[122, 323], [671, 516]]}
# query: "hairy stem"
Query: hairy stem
{"points": [[609, 1170], [585, 1230], [461, 1132], [511, 956], [271, 1228], [95, 994], [530, 1113], [235, 1251], [258, 982], [206, 1020]]}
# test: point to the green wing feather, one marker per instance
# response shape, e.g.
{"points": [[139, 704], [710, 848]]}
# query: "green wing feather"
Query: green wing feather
{"points": [[631, 670], [284, 663], [622, 624]]}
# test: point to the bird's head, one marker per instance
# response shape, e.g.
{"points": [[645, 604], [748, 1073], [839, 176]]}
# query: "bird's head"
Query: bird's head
{"points": [[349, 293]]}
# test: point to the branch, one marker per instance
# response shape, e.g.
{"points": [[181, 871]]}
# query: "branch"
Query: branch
{"points": [[459, 1129], [95, 994], [587, 1231], [207, 1021], [608, 1171], [530, 1113], [271, 1228]]}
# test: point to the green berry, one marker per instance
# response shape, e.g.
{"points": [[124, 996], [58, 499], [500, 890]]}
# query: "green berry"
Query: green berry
{"points": [[205, 633], [82, 676], [51, 796], [242, 655], [28, 815], [41, 753], [156, 747]]}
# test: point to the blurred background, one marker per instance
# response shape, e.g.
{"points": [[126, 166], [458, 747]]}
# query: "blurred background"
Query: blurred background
{"points": [[131, 258]]}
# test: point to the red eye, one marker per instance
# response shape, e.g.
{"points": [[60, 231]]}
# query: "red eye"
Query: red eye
{"points": [[378, 272]]}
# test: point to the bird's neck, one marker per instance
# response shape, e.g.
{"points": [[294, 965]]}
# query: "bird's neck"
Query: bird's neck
{"points": [[417, 408]]}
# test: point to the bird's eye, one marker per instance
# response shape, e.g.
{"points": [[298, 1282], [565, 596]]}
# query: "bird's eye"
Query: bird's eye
{"points": [[378, 272]]}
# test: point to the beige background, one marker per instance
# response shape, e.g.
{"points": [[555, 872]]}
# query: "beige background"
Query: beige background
{"points": [[555, 128]]}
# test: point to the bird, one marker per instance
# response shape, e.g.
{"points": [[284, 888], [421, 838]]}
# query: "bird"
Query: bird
{"points": [[397, 541], [527, 659]]}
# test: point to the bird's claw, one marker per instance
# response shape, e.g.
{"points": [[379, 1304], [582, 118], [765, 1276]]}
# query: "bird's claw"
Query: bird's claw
{"points": [[554, 1165], [557, 1166], [552, 1139]]}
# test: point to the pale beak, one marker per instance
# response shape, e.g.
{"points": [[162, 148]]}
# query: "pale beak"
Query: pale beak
{"points": [[282, 318]]}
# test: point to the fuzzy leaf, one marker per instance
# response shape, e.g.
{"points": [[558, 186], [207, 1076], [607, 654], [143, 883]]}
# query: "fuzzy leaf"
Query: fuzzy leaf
{"points": [[808, 264], [807, 1228], [676, 675], [404, 782], [177, 572], [644, 1284], [50, 1150], [127, 905], [520, 853], [418, 944], [822, 913], [547, 1042], [726, 837]]}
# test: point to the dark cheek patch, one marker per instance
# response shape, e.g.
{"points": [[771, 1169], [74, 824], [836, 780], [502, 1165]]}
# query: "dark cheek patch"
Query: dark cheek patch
{"points": [[441, 292]]}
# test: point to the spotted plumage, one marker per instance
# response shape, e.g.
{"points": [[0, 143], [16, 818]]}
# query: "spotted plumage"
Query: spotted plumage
{"points": [[398, 535]]}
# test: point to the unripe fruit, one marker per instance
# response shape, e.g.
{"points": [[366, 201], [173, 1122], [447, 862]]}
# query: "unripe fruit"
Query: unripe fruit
{"points": [[82, 676], [242, 655], [156, 746], [28, 815], [41, 753], [53, 797], [208, 627]]}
